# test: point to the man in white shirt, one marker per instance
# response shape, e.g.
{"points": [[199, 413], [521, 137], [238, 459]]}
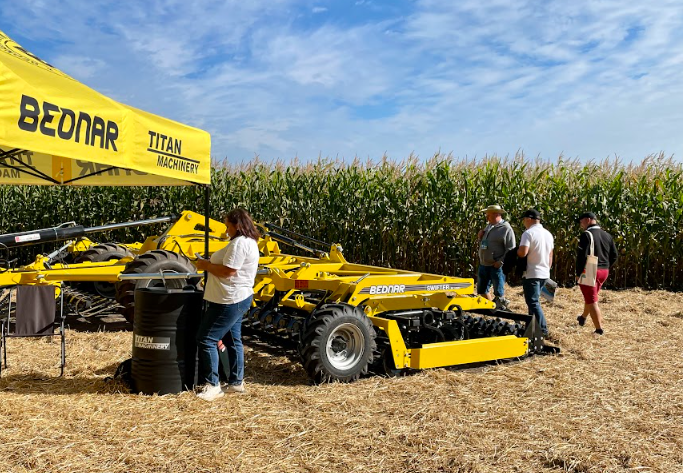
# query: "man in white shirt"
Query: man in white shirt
{"points": [[537, 246]]}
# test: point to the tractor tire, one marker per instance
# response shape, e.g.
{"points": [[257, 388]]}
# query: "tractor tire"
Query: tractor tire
{"points": [[337, 344], [97, 254], [69, 258], [152, 262]]}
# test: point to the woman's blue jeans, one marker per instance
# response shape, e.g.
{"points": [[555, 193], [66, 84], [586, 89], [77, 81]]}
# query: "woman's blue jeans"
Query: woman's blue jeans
{"points": [[217, 321]]}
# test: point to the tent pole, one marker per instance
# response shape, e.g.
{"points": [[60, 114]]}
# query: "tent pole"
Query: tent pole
{"points": [[207, 210]]}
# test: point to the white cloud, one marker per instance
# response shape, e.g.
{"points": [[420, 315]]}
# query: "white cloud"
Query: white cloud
{"points": [[278, 79], [350, 63]]}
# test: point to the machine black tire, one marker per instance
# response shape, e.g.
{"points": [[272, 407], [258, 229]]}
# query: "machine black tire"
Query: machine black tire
{"points": [[383, 363], [97, 254], [69, 258], [389, 365], [152, 262], [337, 344]]}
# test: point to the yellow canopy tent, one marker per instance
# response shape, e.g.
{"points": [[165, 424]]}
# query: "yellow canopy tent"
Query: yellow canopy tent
{"points": [[55, 130]]}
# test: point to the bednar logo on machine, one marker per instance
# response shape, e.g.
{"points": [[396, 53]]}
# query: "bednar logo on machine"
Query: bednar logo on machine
{"points": [[382, 289], [169, 153], [58, 122], [400, 288], [300, 284], [152, 343]]}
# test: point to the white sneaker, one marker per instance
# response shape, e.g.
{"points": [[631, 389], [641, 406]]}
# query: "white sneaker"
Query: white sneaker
{"points": [[234, 388], [209, 392]]}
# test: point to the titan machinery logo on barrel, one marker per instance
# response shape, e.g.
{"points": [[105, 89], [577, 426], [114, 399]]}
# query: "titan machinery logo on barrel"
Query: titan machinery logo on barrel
{"points": [[152, 343]]}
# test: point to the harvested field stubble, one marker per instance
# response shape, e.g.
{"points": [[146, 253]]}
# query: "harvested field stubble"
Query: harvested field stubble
{"points": [[605, 404]]}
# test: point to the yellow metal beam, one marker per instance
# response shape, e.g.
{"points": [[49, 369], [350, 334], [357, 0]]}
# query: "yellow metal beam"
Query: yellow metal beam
{"points": [[435, 355], [462, 352], [439, 300], [398, 346], [94, 272]]}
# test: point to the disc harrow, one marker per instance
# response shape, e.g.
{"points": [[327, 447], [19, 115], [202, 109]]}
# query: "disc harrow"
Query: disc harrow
{"points": [[86, 304]]}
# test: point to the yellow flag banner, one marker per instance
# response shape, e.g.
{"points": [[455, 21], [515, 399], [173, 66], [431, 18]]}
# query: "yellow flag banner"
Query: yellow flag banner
{"points": [[52, 125]]}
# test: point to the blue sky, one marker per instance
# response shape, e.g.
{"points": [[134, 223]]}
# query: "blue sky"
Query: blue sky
{"points": [[285, 79]]}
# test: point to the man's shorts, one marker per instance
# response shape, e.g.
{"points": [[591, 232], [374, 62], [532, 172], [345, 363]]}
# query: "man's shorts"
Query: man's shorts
{"points": [[590, 293]]}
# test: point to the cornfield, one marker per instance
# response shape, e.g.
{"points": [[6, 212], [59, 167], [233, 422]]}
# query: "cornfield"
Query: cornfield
{"points": [[417, 215]]}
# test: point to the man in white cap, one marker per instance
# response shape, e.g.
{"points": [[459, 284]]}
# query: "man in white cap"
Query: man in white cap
{"points": [[495, 240]]}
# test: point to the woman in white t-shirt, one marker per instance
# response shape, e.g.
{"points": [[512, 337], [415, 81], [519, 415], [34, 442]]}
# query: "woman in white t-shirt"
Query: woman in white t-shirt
{"points": [[228, 294]]}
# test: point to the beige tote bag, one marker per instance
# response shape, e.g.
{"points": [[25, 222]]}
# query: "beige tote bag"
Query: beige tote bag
{"points": [[590, 272]]}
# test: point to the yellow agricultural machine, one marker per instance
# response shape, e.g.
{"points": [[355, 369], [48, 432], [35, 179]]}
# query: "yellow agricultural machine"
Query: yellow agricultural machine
{"points": [[345, 319]]}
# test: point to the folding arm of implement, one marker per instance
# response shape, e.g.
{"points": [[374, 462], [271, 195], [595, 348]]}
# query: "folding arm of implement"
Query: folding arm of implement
{"points": [[98, 268], [185, 236]]}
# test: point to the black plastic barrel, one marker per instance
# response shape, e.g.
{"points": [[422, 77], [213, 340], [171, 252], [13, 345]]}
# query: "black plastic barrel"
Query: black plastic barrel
{"points": [[164, 346]]}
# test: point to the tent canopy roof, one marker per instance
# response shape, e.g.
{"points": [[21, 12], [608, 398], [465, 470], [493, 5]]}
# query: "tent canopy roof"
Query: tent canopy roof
{"points": [[55, 130]]}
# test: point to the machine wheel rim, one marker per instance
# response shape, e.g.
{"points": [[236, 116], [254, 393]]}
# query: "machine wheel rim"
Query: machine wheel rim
{"points": [[345, 346]]}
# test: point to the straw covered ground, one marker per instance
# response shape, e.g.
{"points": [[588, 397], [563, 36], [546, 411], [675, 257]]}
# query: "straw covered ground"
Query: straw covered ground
{"points": [[605, 404]]}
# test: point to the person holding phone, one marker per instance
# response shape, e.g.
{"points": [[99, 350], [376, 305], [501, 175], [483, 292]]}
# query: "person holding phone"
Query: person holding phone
{"points": [[228, 294]]}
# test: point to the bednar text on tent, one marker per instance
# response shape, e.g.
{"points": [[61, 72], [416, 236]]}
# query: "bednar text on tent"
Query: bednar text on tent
{"points": [[93, 130]]}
